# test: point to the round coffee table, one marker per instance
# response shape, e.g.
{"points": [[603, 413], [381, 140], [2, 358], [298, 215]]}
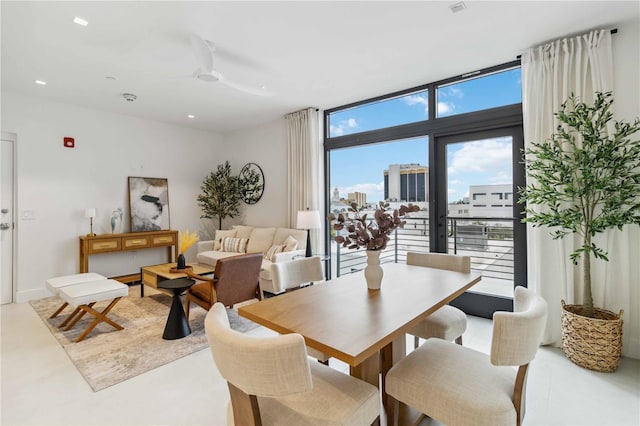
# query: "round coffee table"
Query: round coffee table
{"points": [[177, 325]]}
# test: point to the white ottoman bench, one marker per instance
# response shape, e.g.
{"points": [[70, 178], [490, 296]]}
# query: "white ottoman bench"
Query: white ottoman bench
{"points": [[84, 295], [54, 284]]}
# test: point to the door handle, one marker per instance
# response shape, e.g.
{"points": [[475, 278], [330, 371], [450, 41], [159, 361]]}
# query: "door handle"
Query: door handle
{"points": [[4, 226]]}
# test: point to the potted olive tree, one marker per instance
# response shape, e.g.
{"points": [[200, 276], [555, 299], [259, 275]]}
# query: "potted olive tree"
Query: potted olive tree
{"points": [[221, 194], [585, 180]]}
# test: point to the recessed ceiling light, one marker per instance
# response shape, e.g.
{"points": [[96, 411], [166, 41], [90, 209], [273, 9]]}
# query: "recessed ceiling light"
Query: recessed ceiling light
{"points": [[40, 82], [458, 7], [80, 21], [191, 116]]}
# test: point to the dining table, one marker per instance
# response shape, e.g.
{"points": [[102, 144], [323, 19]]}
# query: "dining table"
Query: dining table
{"points": [[364, 328]]}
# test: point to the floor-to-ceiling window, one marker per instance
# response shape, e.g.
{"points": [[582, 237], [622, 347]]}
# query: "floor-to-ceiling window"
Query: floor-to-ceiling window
{"points": [[453, 148]]}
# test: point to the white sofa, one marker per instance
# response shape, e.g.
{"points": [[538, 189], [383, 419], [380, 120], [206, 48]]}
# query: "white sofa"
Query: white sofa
{"points": [[252, 239]]}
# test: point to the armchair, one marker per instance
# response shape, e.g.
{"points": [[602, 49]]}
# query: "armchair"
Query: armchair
{"points": [[235, 280]]}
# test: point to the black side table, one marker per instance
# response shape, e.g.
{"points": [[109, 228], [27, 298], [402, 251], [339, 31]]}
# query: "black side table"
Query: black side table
{"points": [[177, 325]]}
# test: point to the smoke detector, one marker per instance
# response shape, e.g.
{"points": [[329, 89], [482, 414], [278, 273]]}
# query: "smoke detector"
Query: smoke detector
{"points": [[458, 7], [129, 97]]}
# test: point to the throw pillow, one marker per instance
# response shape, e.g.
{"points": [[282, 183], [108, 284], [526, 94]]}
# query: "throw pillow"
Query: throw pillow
{"points": [[243, 231], [220, 235], [290, 244], [235, 245], [273, 250]]}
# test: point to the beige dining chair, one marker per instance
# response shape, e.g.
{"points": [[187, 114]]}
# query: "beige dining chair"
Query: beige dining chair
{"points": [[291, 275], [448, 322], [456, 385], [272, 382]]}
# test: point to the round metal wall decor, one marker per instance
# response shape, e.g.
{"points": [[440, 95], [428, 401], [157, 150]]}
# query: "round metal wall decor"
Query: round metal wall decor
{"points": [[251, 183]]}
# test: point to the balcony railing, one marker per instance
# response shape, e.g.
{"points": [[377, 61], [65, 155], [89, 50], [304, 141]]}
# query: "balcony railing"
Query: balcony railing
{"points": [[488, 241]]}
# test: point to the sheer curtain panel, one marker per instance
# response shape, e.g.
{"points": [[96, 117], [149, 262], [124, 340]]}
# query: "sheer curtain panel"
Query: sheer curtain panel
{"points": [[304, 162], [551, 72]]}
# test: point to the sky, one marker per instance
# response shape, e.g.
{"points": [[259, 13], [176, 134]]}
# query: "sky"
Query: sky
{"points": [[480, 162]]}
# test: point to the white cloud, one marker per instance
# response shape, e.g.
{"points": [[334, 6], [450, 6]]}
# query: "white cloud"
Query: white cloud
{"points": [[418, 100], [374, 191], [341, 128], [451, 91], [489, 155], [445, 108]]}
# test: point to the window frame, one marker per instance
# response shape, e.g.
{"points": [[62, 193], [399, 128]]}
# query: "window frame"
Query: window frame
{"points": [[435, 129]]}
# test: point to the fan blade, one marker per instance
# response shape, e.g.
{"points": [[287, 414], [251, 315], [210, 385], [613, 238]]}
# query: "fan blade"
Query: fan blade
{"points": [[203, 51], [247, 89]]}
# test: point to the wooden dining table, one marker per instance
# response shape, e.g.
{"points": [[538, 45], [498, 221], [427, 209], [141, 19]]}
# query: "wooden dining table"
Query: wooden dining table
{"points": [[363, 328]]}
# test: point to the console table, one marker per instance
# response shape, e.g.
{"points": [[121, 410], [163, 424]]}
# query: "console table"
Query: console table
{"points": [[109, 243]]}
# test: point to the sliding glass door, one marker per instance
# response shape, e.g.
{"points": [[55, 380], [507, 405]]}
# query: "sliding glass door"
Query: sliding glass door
{"points": [[478, 215]]}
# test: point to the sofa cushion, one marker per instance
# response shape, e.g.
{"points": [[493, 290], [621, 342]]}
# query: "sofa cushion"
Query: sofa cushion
{"points": [[299, 234], [235, 245], [260, 240], [220, 235], [273, 250], [212, 256], [243, 231], [290, 244]]}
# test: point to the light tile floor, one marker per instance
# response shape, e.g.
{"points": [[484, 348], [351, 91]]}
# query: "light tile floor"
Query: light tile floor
{"points": [[40, 385]]}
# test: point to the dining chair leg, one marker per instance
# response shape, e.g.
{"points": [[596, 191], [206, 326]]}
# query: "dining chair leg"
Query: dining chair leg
{"points": [[416, 342]]}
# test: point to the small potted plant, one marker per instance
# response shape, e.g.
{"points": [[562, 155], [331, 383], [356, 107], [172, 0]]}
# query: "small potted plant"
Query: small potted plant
{"points": [[585, 180], [372, 235]]}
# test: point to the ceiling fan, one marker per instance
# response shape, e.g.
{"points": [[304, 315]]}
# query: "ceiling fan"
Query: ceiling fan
{"points": [[204, 51]]}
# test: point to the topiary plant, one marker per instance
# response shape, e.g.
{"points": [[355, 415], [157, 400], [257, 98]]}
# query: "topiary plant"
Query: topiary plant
{"points": [[221, 194], [586, 179]]}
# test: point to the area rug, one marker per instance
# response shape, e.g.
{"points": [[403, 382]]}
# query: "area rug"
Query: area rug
{"points": [[108, 356]]}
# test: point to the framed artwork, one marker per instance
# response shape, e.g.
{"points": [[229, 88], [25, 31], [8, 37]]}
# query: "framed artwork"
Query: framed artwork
{"points": [[148, 204], [251, 183]]}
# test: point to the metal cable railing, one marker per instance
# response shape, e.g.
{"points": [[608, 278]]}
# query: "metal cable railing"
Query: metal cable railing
{"points": [[488, 241]]}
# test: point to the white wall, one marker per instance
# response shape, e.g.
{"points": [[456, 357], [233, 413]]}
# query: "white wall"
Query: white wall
{"points": [[58, 183], [266, 146]]}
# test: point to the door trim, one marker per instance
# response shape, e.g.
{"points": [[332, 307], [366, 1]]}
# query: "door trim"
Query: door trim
{"points": [[14, 216]]}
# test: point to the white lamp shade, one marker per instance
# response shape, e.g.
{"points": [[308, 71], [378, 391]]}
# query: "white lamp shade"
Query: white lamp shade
{"points": [[90, 212], [308, 219]]}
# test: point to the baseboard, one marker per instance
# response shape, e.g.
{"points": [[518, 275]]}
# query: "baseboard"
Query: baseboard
{"points": [[34, 294]]}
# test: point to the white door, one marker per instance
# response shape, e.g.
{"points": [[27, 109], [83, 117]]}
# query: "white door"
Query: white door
{"points": [[6, 217]]}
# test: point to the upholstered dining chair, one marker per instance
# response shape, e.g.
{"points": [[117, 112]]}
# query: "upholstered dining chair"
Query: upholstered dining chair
{"points": [[272, 382], [291, 275], [448, 322], [235, 280], [456, 385]]}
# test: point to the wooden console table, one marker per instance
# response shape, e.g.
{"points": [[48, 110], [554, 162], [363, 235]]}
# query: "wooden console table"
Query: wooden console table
{"points": [[108, 243]]}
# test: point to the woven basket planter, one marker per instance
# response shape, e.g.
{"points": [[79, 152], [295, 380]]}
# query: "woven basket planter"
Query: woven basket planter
{"points": [[593, 343]]}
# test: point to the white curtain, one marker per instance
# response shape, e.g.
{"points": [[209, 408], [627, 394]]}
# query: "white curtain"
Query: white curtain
{"points": [[304, 161], [581, 65]]}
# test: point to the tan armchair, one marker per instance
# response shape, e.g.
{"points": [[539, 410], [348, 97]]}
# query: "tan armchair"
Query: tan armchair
{"points": [[448, 322], [456, 385], [272, 382], [235, 280]]}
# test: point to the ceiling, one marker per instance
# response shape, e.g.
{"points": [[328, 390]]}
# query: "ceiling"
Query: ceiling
{"points": [[321, 54]]}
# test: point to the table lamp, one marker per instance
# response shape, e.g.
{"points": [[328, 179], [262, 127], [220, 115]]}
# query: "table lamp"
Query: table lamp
{"points": [[90, 213], [308, 219]]}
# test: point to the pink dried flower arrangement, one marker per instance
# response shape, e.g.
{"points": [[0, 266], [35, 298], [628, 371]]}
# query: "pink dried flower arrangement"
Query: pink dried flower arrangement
{"points": [[375, 234]]}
